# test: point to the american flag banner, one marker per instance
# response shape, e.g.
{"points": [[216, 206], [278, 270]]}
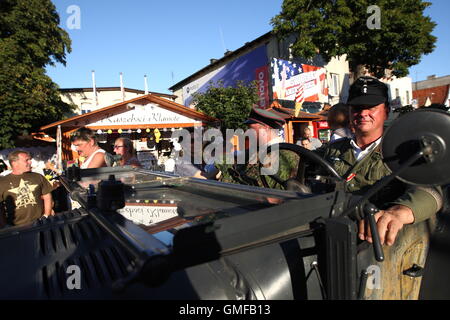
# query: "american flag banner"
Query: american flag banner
{"points": [[288, 76], [299, 99], [285, 69]]}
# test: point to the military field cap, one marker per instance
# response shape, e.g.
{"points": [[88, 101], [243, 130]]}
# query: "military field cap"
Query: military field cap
{"points": [[265, 116], [367, 92]]}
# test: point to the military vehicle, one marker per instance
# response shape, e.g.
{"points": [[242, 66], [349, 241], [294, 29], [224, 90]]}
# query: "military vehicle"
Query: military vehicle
{"points": [[141, 234]]}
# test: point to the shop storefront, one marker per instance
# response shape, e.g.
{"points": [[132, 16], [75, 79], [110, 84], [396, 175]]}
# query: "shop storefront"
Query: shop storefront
{"points": [[149, 121]]}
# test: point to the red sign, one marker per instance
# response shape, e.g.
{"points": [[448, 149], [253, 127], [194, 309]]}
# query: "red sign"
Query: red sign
{"points": [[262, 77], [323, 124]]}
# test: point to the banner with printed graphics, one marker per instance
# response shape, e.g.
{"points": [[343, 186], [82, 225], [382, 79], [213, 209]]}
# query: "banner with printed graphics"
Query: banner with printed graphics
{"points": [[249, 67], [287, 76], [148, 214], [147, 114]]}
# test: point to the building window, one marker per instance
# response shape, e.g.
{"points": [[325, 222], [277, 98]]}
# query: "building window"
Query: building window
{"points": [[334, 87], [397, 93], [407, 97]]}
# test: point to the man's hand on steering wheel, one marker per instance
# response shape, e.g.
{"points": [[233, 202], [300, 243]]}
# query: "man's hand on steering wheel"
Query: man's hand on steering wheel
{"points": [[292, 165]]}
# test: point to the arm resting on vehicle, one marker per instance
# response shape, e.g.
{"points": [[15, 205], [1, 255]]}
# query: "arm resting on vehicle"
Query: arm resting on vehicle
{"points": [[423, 201]]}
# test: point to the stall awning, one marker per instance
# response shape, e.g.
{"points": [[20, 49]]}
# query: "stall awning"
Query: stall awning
{"points": [[101, 116]]}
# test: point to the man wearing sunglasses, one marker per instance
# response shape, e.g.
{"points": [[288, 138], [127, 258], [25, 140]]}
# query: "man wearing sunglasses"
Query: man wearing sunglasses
{"points": [[123, 148]]}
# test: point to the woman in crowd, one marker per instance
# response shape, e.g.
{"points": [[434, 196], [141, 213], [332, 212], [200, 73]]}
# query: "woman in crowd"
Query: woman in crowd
{"points": [[123, 147], [338, 120], [85, 144]]}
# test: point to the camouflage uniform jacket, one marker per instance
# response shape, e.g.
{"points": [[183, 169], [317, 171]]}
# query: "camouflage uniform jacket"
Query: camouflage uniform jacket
{"points": [[250, 174], [361, 175]]}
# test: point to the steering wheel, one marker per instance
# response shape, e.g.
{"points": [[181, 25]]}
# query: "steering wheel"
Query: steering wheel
{"points": [[294, 177]]}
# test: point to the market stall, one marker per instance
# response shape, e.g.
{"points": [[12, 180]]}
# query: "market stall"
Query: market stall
{"points": [[149, 121]]}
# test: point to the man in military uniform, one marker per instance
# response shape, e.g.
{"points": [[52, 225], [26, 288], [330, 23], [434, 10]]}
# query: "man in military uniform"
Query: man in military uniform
{"points": [[359, 162], [267, 126]]}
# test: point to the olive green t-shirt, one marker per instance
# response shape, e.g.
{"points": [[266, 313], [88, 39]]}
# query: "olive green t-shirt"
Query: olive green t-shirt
{"points": [[21, 195]]}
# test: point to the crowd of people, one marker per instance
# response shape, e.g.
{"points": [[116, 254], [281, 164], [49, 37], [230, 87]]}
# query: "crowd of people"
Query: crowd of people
{"points": [[85, 143], [355, 153], [27, 196], [353, 150]]}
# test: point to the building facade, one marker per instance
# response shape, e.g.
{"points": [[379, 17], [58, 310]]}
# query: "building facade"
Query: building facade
{"points": [[432, 90], [400, 91], [91, 99], [269, 61], [282, 81]]}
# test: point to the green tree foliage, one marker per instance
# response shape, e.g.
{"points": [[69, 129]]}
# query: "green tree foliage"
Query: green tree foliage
{"points": [[30, 39], [337, 27], [231, 105]]}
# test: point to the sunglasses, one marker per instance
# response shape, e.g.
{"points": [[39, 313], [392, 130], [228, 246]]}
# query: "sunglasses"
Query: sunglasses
{"points": [[117, 147]]}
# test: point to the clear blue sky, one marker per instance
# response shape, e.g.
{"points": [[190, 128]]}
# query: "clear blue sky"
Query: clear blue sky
{"points": [[171, 39], [436, 62]]}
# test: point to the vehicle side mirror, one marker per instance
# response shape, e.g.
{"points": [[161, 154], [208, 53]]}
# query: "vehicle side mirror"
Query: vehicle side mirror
{"points": [[420, 131]]}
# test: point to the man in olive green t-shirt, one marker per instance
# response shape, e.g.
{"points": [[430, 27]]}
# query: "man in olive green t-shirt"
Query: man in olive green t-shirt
{"points": [[24, 195]]}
